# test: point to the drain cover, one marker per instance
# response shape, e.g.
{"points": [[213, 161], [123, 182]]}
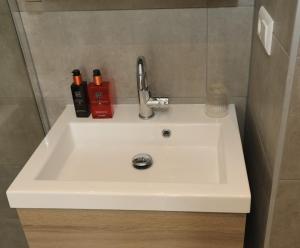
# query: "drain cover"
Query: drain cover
{"points": [[142, 161]]}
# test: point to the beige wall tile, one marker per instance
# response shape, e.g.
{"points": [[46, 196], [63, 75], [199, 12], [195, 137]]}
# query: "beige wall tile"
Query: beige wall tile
{"points": [[286, 223], [291, 157], [266, 92], [229, 45]]}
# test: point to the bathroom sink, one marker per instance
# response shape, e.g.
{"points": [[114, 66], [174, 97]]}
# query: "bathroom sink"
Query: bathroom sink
{"points": [[83, 163]]}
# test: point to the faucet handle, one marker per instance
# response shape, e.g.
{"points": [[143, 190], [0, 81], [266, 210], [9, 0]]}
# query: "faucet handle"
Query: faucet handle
{"points": [[158, 102]]}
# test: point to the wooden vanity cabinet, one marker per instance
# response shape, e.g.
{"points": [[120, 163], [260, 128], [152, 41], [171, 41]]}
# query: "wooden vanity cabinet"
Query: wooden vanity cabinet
{"points": [[62, 228]]}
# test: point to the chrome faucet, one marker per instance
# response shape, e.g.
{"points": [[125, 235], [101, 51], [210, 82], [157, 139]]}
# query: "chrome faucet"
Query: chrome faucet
{"points": [[146, 102]]}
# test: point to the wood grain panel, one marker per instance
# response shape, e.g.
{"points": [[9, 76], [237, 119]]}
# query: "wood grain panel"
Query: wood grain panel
{"points": [[45, 228]]}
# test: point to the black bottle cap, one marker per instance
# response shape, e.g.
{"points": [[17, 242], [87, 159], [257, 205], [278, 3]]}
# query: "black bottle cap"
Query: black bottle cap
{"points": [[96, 72], [76, 72]]}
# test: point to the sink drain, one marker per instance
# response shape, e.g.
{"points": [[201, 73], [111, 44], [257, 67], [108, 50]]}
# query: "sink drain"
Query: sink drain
{"points": [[142, 161], [166, 133]]}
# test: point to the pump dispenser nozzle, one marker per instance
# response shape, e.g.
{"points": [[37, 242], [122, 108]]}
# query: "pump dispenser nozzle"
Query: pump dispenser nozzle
{"points": [[77, 77], [97, 77]]}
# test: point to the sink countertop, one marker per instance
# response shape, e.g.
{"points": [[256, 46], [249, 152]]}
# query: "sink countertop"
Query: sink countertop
{"points": [[85, 163]]}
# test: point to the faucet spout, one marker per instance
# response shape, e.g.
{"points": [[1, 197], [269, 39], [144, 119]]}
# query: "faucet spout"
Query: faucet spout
{"points": [[141, 74], [146, 102]]}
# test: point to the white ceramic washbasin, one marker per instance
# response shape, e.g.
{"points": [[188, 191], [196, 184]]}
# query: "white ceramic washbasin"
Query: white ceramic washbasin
{"points": [[87, 164]]}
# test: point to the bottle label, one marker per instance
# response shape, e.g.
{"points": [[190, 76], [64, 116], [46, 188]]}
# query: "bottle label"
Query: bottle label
{"points": [[98, 96], [79, 102], [77, 94]]}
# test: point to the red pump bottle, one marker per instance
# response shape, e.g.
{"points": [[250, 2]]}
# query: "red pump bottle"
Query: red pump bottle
{"points": [[100, 95]]}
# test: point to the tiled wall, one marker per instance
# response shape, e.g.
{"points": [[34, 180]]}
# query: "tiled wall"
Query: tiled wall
{"points": [[20, 126], [185, 49], [286, 223], [267, 87]]}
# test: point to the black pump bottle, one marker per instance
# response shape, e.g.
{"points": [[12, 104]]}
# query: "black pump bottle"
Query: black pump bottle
{"points": [[80, 95]]}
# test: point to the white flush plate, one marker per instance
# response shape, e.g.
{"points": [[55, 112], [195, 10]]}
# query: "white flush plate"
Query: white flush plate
{"points": [[265, 29]]}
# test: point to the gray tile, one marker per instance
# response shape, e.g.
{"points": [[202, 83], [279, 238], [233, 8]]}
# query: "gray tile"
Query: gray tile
{"points": [[173, 42], [55, 106], [174, 27], [14, 78], [20, 130], [5, 211], [177, 71], [285, 20], [283, 12], [259, 173], [260, 184], [11, 234], [246, 2], [229, 46], [272, 100], [286, 222], [78, 5], [240, 103], [7, 175], [266, 93], [291, 157], [4, 7], [299, 48], [270, 5], [229, 3]]}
